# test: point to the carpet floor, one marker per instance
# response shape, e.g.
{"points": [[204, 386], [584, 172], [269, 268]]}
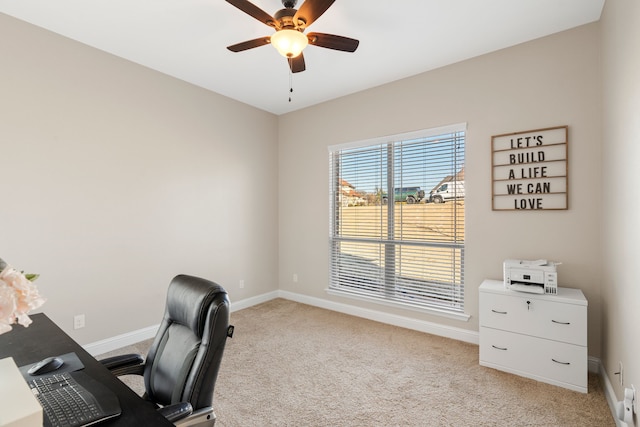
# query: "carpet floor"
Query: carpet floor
{"points": [[290, 364]]}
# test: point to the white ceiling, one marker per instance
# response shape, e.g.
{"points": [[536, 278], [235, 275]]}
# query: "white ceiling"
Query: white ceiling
{"points": [[187, 39]]}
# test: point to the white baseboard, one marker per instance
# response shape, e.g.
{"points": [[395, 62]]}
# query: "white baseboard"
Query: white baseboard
{"points": [[610, 394], [459, 334], [119, 341], [250, 302], [391, 319]]}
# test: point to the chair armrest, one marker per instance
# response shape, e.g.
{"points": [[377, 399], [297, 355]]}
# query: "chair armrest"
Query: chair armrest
{"points": [[176, 411], [124, 364]]}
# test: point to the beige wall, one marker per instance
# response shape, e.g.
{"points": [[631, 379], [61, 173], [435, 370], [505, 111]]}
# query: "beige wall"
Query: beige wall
{"points": [[548, 82], [115, 178], [621, 170]]}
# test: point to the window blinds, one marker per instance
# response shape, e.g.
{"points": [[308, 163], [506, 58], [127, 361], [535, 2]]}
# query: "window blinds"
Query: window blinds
{"points": [[391, 238]]}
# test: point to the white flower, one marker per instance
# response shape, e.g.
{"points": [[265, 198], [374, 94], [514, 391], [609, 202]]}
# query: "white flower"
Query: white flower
{"points": [[18, 296], [7, 307]]}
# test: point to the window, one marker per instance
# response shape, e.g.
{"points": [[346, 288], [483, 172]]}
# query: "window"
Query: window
{"points": [[409, 249]]}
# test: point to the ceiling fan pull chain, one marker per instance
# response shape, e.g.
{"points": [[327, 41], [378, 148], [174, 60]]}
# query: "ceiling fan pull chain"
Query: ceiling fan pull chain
{"points": [[290, 80]]}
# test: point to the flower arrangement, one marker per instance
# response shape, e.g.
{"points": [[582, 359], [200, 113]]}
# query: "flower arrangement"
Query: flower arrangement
{"points": [[18, 296]]}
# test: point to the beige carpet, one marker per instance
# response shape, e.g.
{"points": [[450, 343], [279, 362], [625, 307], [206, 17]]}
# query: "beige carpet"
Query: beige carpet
{"points": [[290, 364]]}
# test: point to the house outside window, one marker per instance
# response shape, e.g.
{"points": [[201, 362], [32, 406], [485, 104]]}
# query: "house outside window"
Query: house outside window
{"points": [[406, 249]]}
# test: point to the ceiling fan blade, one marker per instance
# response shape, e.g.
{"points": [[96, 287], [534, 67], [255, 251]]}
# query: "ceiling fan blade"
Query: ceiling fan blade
{"points": [[249, 44], [331, 41], [296, 64], [311, 10], [253, 10]]}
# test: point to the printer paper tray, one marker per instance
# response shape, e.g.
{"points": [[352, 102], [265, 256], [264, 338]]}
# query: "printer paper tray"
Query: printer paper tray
{"points": [[524, 287]]}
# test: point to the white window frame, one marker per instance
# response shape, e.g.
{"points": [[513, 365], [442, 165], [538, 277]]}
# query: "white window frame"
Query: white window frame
{"points": [[453, 308]]}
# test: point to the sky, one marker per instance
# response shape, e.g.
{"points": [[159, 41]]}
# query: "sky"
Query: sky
{"points": [[420, 163]]}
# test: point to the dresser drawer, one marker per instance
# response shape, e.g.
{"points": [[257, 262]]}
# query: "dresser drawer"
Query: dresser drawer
{"points": [[539, 317], [541, 359]]}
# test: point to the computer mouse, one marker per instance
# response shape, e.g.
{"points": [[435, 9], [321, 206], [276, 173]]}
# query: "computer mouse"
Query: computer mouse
{"points": [[45, 365]]}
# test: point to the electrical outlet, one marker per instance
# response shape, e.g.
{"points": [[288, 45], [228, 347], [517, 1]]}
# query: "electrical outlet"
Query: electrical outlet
{"points": [[78, 321], [620, 372], [295, 278], [241, 284]]}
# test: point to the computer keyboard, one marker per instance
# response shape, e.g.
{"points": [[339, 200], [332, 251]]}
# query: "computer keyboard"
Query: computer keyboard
{"points": [[67, 403]]}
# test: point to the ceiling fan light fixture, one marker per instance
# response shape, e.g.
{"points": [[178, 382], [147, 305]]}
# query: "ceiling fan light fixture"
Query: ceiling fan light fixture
{"points": [[289, 43]]}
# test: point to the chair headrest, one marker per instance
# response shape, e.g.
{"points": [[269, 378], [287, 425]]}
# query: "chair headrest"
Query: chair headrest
{"points": [[188, 300]]}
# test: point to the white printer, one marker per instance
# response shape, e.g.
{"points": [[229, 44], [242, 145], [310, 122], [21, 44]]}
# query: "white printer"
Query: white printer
{"points": [[538, 277]]}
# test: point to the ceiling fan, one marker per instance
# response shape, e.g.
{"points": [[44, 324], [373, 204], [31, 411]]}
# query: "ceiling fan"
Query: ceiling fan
{"points": [[290, 25]]}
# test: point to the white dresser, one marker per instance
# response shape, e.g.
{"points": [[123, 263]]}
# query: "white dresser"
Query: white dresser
{"points": [[543, 337]]}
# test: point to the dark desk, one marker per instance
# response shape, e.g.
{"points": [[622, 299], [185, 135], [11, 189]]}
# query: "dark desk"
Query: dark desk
{"points": [[43, 338]]}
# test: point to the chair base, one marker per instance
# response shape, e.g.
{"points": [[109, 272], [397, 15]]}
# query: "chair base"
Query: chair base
{"points": [[201, 418]]}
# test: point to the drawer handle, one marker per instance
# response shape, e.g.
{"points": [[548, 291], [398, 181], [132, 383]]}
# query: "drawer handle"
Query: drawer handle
{"points": [[560, 323], [499, 312], [499, 348], [562, 363]]}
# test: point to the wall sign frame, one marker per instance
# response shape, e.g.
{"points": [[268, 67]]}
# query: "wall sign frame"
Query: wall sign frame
{"points": [[529, 170]]}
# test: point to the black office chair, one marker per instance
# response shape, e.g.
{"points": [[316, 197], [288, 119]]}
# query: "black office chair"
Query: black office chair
{"points": [[182, 365]]}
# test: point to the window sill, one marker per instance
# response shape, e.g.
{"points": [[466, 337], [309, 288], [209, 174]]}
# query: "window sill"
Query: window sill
{"points": [[433, 311]]}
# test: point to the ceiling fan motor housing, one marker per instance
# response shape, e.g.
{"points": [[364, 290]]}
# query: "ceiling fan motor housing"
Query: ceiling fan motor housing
{"points": [[284, 18]]}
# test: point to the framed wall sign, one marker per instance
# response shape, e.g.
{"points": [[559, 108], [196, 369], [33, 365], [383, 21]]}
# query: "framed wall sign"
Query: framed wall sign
{"points": [[529, 170]]}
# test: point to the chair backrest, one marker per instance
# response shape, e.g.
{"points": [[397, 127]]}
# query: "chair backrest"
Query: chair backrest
{"points": [[183, 362]]}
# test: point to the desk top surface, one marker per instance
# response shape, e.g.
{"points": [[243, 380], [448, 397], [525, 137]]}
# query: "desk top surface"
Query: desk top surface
{"points": [[43, 338]]}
